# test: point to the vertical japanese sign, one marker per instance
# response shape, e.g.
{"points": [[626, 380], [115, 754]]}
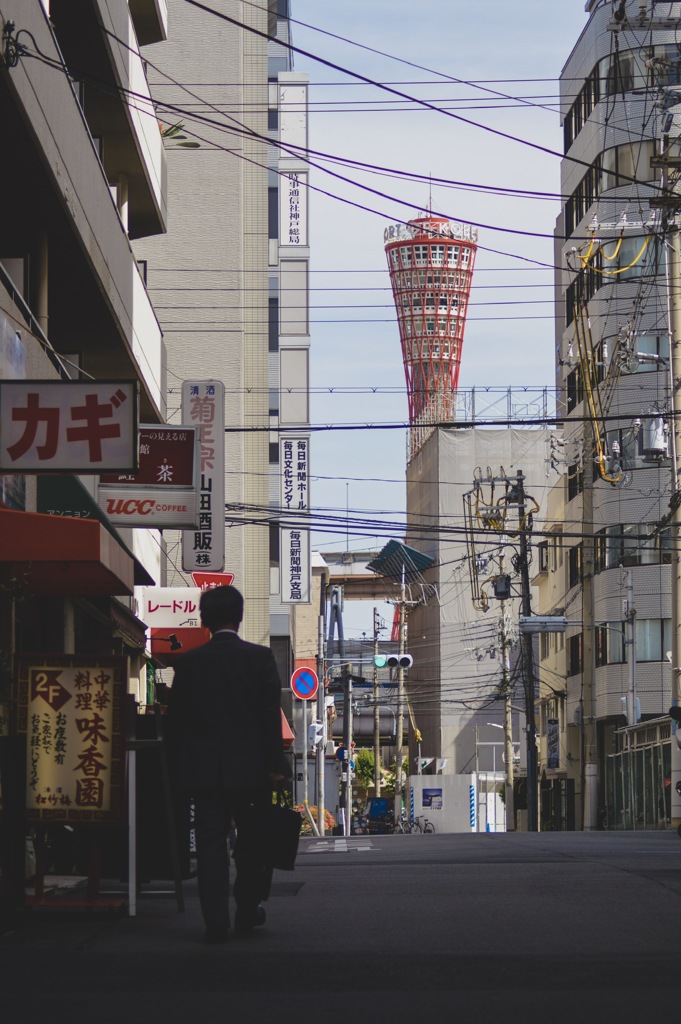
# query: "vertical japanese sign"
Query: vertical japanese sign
{"points": [[295, 532], [293, 209], [70, 709], [553, 743], [203, 405], [49, 426], [12, 367]]}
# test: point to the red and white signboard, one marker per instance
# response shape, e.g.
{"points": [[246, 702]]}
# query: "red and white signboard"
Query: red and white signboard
{"points": [[203, 404], [167, 644], [206, 580], [49, 426], [171, 607], [164, 491]]}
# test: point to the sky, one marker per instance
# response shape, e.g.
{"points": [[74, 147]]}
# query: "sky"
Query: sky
{"points": [[517, 49]]}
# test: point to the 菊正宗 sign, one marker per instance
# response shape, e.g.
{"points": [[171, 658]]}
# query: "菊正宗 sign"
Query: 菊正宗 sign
{"points": [[203, 404], [70, 710]]}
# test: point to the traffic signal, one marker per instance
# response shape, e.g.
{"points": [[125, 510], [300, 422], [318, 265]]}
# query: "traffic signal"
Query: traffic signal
{"points": [[315, 733], [400, 661], [393, 660]]}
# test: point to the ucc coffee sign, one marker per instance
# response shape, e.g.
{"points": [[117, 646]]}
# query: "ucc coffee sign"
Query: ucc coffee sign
{"points": [[164, 492]]}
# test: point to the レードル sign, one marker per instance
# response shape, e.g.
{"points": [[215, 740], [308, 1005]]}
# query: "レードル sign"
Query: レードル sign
{"points": [[164, 491], [70, 709], [171, 607], [49, 426], [203, 404]]}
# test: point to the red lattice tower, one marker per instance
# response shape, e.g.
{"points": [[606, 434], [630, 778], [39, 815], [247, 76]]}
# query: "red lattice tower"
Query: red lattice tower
{"points": [[431, 263]]}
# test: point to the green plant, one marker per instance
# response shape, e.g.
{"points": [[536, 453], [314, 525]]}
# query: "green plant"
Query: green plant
{"points": [[172, 132], [306, 830]]}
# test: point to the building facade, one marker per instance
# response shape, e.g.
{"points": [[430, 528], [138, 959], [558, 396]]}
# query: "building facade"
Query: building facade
{"points": [[229, 279], [86, 177], [606, 561], [458, 630]]}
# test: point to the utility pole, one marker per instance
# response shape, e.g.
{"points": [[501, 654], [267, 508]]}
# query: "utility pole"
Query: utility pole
{"points": [[336, 619], [321, 709], [508, 718], [399, 774], [632, 699], [588, 731], [377, 713], [674, 257], [527, 647], [347, 736]]}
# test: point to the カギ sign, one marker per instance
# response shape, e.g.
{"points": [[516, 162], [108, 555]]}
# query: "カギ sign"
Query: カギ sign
{"points": [[70, 709], [49, 426]]}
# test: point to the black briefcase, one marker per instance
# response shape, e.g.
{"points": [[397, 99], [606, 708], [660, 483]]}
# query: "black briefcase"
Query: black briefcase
{"points": [[283, 833]]}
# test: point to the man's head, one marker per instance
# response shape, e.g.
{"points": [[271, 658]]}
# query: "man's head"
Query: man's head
{"points": [[221, 608]]}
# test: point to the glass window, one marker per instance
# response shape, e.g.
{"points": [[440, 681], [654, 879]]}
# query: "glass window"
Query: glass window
{"points": [[667, 65], [465, 257], [574, 660], [437, 254], [652, 544], [656, 346], [609, 638], [649, 636], [574, 565], [609, 166], [394, 258], [405, 254], [420, 255]]}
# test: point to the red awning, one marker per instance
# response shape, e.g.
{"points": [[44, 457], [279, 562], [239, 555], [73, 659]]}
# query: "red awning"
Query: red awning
{"points": [[286, 733], [60, 555]]}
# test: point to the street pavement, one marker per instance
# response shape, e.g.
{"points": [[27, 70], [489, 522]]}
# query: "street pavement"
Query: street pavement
{"points": [[554, 927]]}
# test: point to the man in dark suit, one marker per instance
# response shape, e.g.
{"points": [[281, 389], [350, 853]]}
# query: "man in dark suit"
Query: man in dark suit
{"points": [[224, 728]]}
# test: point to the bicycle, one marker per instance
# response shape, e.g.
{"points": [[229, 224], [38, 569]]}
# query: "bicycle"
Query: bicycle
{"points": [[402, 825], [422, 824]]}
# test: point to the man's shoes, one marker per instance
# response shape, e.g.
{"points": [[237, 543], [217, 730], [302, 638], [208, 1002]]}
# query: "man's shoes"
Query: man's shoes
{"points": [[246, 920], [216, 934]]}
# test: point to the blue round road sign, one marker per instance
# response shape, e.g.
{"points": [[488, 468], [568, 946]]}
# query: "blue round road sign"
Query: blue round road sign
{"points": [[305, 683]]}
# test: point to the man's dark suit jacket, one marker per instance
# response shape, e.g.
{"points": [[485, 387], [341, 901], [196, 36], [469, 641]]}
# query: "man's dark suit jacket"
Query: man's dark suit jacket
{"points": [[224, 717]]}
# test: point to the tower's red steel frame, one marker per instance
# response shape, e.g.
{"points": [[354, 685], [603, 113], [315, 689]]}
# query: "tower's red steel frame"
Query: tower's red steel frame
{"points": [[431, 262]]}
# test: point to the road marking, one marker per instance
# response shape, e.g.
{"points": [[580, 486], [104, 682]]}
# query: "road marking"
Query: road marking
{"points": [[340, 846]]}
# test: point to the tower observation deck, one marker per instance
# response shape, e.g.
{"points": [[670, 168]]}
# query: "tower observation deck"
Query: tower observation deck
{"points": [[431, 261]]}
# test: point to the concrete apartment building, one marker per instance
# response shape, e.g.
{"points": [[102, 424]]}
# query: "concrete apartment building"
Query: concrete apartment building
{"points": [[456, 685], [610, 501], [84, 174], [229, 280]]}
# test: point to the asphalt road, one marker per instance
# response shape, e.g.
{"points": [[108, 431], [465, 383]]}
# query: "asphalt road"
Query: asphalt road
{"points": [[552, 927]]}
